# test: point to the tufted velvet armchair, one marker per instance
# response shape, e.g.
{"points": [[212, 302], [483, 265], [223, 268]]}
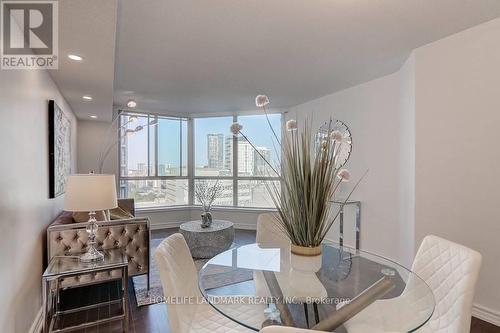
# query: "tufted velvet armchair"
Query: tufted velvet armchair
{"points": [[65, 237]]}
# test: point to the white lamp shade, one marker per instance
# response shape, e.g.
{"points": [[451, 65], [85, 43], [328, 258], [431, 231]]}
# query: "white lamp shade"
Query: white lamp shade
{"points": [[90, 192]]}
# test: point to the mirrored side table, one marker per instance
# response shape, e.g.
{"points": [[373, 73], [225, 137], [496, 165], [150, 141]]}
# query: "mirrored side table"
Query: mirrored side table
{"points": [[357, 205], [114, 267]]}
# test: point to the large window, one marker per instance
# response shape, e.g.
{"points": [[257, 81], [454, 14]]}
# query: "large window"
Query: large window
{"points": [[158, 166], [153, 160]]}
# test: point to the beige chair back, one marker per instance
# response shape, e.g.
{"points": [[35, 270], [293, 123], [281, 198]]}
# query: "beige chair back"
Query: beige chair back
{"points": [[269, 232], [179, 281]]}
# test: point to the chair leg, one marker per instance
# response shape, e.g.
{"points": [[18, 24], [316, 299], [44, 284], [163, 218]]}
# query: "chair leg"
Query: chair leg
{"points": [[306, 313], [316, 313], [149, 282]]}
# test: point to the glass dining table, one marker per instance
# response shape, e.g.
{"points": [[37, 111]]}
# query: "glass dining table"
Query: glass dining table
{"points": [[343, 289]]}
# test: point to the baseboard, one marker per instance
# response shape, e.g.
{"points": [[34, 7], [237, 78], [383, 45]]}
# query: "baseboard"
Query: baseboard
{"points": [[168, 225], [484, 313], [244, 226], [165, 225], [36, 327]]}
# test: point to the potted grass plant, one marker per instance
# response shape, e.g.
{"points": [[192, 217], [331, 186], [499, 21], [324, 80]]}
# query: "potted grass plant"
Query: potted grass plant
{"points": [[310, 176]]}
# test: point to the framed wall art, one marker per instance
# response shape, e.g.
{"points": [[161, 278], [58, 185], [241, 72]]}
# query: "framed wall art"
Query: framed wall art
{"points": [[59, 149]]}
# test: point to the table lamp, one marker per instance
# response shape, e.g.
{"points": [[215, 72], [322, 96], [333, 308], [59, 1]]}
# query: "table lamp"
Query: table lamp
{"points": [[90, 193]]}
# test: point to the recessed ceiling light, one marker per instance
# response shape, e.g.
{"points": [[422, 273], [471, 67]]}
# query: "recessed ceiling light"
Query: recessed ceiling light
{"points": [[87, 98], [93, 117], [75, 57], [131, 103]]}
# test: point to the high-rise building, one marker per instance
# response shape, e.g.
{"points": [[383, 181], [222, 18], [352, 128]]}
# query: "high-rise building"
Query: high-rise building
{"points": [[246, 158], [228, 153], [142, 169], [215, 149], [261, 168], [124, 166], [162, 170]]}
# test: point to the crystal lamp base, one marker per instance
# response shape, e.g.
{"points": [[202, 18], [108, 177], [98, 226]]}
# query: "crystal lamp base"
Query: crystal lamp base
{"points": [[92, 253]]}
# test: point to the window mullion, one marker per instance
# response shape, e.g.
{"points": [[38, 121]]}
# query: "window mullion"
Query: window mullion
{"points": [[157, 145], [180, 148], [190, 161], [149, 147], [235, 165], [120, 143]]}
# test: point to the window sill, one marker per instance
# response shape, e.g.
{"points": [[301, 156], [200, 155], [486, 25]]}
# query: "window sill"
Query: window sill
{"points": [[215, 209]]}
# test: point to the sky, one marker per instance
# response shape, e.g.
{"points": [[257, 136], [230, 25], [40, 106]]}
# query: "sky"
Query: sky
{"points": [[255, 128]]}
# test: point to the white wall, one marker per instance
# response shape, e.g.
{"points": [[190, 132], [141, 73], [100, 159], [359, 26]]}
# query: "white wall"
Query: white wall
{"points": [[91, 140], [457, 157], [428, 134], [407, 161], [25, 209], [372, 112]]}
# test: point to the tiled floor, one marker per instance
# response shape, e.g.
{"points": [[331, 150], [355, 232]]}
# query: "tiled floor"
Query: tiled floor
{"points": [[153, 318]]}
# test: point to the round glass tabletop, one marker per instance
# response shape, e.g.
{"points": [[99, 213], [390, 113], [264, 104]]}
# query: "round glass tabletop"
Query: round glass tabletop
{"points": [[257, 285]]}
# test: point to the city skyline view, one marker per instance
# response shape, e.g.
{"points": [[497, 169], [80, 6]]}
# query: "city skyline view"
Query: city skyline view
{"points": [[255, 128], [213, 157]]}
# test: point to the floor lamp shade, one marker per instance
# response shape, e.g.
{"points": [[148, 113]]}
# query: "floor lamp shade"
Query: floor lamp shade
{"points": [[90, 192]]}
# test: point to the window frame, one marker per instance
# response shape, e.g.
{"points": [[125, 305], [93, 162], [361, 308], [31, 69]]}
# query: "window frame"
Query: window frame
{"points": [[191, 177]]}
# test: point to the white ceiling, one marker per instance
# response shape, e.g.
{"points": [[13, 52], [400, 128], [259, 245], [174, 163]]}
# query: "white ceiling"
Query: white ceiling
{"points": [[87, 28], [195, 56], [205, 56]]}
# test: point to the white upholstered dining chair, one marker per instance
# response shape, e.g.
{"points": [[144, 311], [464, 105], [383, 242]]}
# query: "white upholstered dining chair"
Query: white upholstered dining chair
{"points": [[269, 232], [451, 271], [180, 283]]}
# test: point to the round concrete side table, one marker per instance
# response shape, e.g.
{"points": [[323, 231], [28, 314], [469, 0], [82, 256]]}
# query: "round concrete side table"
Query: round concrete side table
{"points": [[208, 242]]}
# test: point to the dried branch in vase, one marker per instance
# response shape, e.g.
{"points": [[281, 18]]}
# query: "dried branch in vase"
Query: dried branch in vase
{"points": [[206, 193]]}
